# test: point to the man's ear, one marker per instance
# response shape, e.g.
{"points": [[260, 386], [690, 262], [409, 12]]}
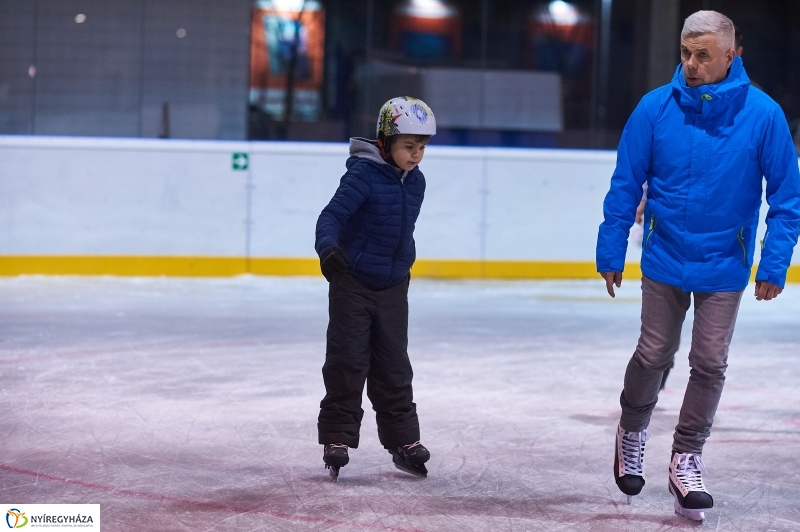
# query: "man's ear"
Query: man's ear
{"points": [[731, 54]]}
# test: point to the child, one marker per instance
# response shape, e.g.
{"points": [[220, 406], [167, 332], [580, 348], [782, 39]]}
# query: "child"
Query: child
{"points": [[366, 248]]}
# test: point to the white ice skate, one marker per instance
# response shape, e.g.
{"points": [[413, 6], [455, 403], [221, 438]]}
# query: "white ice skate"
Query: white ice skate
{"points": [[629, 461], [686, 485]]}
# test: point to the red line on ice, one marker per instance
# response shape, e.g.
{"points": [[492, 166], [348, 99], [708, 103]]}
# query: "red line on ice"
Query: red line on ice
{"points": [[203, 504]]}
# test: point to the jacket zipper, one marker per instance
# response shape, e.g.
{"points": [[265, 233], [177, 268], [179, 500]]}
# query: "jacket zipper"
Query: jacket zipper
{"points": [[402, 232], [764, 241], [740, 238], [651, 229]]}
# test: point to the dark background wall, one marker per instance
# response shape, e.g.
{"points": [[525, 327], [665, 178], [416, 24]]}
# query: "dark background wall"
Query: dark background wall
{"points": [[771, 30], [113, 73], [17, 39]]}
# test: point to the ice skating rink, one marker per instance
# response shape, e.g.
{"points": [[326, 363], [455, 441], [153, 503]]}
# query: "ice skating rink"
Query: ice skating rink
{"points": [[190, 405]]}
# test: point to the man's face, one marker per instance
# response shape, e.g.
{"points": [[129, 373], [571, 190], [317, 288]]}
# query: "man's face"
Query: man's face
{"points": [[704, 61], [407, 152]]}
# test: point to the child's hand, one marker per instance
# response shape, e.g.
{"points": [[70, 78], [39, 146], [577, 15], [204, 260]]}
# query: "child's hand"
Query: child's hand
{"points": [[333, 262]]}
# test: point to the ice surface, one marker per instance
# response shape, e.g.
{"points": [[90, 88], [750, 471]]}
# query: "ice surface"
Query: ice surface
{"points": [[190, 405]]}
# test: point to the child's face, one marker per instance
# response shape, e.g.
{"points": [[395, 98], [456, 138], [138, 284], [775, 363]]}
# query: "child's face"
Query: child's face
{"points": [[407, 152]]}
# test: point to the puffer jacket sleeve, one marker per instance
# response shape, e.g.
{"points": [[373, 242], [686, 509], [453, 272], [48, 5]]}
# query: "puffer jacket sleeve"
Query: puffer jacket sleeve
{"points": [[619, 208], [352, 192], [779, 164]]}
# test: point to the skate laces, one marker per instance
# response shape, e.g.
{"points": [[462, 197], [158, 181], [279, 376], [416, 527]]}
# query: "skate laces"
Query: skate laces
{"points": [[337, 446], [688, 470], [410, 446], [632, 458]]}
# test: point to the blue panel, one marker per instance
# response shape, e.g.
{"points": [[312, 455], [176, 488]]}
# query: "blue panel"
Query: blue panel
{"points": [[426, 45]]}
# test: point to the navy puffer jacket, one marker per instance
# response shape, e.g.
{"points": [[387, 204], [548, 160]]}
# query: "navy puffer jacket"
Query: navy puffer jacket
{"points": [[371, 217]]}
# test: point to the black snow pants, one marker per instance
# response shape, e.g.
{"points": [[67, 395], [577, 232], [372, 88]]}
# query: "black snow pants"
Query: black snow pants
{"points": [[367, 342]]}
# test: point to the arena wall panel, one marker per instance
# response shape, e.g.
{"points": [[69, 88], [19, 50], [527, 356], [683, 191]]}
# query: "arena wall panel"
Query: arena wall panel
{"points": [[182, 207]]}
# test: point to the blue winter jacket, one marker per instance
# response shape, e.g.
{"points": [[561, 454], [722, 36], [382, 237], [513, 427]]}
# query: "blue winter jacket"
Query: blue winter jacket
{"points": [[371, 217], [703, 152]]}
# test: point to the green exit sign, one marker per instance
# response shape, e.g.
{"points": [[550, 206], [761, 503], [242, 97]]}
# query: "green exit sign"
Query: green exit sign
{"points": [[240, 161]]}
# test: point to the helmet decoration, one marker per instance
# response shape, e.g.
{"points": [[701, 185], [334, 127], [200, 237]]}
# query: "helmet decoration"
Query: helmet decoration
{"points": [[405, 115]]}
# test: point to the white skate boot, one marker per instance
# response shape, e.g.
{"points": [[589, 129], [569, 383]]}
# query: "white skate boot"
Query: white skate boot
{"points": [[686, 485], [629, 461]]}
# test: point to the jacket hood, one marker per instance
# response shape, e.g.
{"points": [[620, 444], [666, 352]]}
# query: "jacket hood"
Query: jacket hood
{"points": [[361, 148], [713, 99], [366, 149]]}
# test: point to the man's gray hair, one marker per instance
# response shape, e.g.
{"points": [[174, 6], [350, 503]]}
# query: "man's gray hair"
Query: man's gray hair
{"points": [[710, 22]]}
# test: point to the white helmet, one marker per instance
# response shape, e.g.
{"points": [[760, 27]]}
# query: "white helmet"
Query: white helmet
{"points": [[406, 116]]}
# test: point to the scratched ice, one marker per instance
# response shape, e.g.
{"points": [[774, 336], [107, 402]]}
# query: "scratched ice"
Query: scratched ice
{"points": [[190, 405]]}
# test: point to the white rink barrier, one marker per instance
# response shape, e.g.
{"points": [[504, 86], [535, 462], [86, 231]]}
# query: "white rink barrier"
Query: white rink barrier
{"points": [[149, 206]]}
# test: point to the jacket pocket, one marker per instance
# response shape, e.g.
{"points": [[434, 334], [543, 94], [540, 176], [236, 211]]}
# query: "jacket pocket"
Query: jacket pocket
{"points": [[360, 253], [740, 238], [650, 230]]}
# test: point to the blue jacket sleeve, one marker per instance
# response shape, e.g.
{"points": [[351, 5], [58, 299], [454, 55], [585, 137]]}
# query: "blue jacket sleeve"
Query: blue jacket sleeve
{"points": [[779, 164], [619, 208], [352, 192]]}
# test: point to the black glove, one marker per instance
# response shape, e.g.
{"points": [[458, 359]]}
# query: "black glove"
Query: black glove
{"points": [[333, 262]]}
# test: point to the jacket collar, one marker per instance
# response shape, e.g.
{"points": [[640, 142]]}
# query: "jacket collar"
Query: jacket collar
{"points": [[714, 99], [361, 148]]}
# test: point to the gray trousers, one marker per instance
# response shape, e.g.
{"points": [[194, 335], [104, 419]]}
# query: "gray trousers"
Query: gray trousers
{"points": [[663, 311]]}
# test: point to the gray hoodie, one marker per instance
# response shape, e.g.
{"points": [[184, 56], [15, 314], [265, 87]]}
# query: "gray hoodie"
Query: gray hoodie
{"points": [[368, 149]]}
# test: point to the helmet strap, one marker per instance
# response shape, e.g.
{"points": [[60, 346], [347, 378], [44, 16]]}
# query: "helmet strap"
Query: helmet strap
{"points": [[385, 146]]}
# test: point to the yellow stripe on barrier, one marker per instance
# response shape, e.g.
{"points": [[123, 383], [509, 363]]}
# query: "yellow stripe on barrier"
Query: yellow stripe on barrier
{"points": [[137, 265], [133, 265], [281, 266], [792, 274], [503, 269]]}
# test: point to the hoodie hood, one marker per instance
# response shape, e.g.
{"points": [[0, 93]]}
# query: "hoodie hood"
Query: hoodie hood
{"points": [[361, 148], [366, 149], [714, 99]]}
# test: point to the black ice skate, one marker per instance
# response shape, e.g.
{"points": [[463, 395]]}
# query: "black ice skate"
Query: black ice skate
{"points": [[629, 461], [686, 485], [335, 456], [411, 458]]}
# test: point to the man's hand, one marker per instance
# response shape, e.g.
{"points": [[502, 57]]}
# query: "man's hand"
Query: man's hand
{"points": [[333, 262], [612, 278], [767, 291]]}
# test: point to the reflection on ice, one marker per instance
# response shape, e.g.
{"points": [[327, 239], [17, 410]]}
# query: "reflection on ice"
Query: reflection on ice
{"points": [[190, 404]]}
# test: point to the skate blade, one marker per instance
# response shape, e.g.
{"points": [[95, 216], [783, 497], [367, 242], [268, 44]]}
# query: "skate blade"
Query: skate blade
{"points": [[696, 516], [334, 472], [630, 499], [418, 471]]}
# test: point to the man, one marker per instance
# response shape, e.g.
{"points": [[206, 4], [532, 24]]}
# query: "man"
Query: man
{"points": [[702, 144], [738, 46]]}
